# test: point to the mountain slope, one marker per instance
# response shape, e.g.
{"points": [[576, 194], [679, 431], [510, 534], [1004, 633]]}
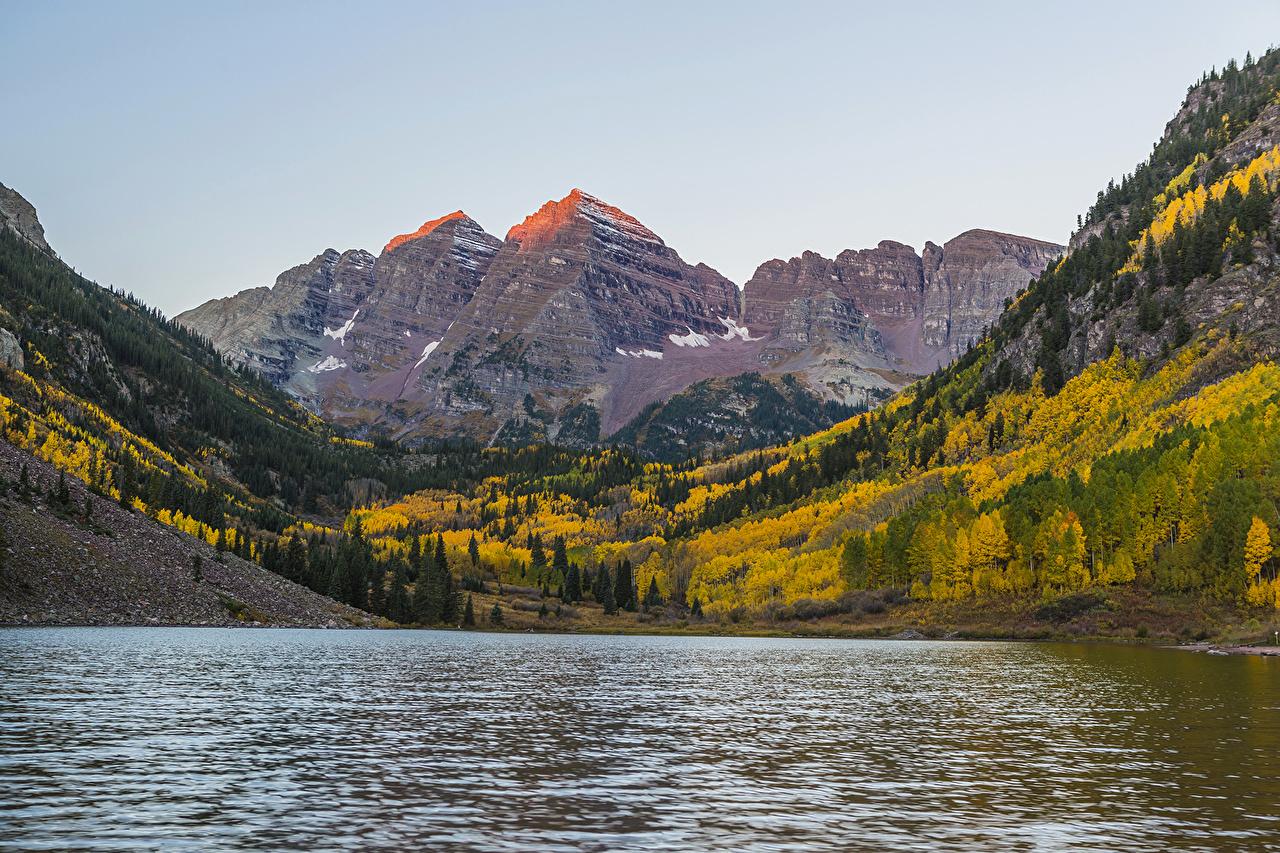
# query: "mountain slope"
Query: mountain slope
{"points": [[61, 566], [347, 332]]}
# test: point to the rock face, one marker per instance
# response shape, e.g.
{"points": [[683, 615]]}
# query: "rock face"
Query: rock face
{"points": [[11, 351], [579, 291], [912, 313], [344, 331], [18, 215], [582, 318]]}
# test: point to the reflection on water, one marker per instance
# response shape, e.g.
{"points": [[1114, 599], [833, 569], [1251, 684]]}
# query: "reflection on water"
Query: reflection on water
{"points": [[173, 739]]}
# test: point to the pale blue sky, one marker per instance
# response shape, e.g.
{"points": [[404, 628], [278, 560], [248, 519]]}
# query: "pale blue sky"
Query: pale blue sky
{"points": [[185, 151]]}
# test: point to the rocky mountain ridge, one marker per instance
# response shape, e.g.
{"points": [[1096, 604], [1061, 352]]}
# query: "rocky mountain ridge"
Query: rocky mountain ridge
{"points": [[582, 317]]}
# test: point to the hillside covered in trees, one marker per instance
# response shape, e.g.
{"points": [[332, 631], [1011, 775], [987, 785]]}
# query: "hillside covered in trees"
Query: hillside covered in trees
{"points": [[1112, 438]]}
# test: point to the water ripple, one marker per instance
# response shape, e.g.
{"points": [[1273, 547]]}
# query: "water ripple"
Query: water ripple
{"points": [[197, 739]]}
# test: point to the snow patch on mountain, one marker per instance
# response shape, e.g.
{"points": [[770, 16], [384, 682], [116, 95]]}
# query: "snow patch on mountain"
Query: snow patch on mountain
{"points": [[426, 353], [339, 334], [638, 353], [733, 330], [693, 339], [326, 364]]}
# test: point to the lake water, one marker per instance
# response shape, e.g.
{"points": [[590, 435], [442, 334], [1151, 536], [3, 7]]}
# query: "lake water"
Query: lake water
{"points": [[198, 739]]}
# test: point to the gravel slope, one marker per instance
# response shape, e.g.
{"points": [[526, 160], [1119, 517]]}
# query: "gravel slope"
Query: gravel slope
{"points": [[122, 568]]}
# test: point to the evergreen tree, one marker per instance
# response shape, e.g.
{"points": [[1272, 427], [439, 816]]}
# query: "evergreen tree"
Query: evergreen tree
{"points": [[295, 559], [473, 551], [398, 604], [603, 591], [446, 595], [469, 614], [495, 615], [571, 589], [125, 481], [559, 559], [415, 557], [425, 607], [537, 558], [624, 586], [377, 587], [653, 598]]}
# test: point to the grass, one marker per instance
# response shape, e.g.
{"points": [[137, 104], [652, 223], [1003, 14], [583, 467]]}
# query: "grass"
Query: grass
{"points": [[1128, 614]]}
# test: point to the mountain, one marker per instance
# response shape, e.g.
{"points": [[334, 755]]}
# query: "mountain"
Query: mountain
{"points": [[583, 318], [347, 332], [887, 308], [19, 216]]}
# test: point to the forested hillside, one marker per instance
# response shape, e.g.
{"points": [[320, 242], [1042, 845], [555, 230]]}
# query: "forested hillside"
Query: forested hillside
{"points": [[1115, 429]]}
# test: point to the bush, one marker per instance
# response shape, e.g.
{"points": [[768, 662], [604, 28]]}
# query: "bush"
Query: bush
{"points": [[808, 608], [1068, 607]]}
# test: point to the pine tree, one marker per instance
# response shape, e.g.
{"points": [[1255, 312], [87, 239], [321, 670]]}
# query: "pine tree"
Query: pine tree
{"points": [[124, 475], [537, 558], [415, 557], [603, 592], [696, 609], [624, 586], [446, 596], [653, 598], [295, 559], [398, 605], [469, 614], [495, 615], [337, 588], [377, 587], [573, 584], [63, 495], [559, 558], [473, 551]]}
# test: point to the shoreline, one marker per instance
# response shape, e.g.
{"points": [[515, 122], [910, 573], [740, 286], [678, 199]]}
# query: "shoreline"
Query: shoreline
{"points": [[1216, 649], [909, 635]]}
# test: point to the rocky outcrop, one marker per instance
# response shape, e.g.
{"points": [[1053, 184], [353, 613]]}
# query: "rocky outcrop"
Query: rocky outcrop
{"points": [[344, 331], [18, 215], [283, 331], [11, 351], [913, 312]]}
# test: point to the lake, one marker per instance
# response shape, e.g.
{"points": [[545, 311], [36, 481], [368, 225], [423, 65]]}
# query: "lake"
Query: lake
{"points": [[197, 739]]}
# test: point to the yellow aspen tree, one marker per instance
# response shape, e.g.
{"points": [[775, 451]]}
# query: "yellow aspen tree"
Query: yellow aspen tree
{"points": [[961, 587], [1257, 549]]}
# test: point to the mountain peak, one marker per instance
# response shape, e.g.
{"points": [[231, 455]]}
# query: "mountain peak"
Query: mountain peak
{"points": [[19, 215], [427, 227], [554, 216]]}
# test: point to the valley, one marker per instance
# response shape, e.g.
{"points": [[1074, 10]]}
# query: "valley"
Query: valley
{"points": [[574, 429]]}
